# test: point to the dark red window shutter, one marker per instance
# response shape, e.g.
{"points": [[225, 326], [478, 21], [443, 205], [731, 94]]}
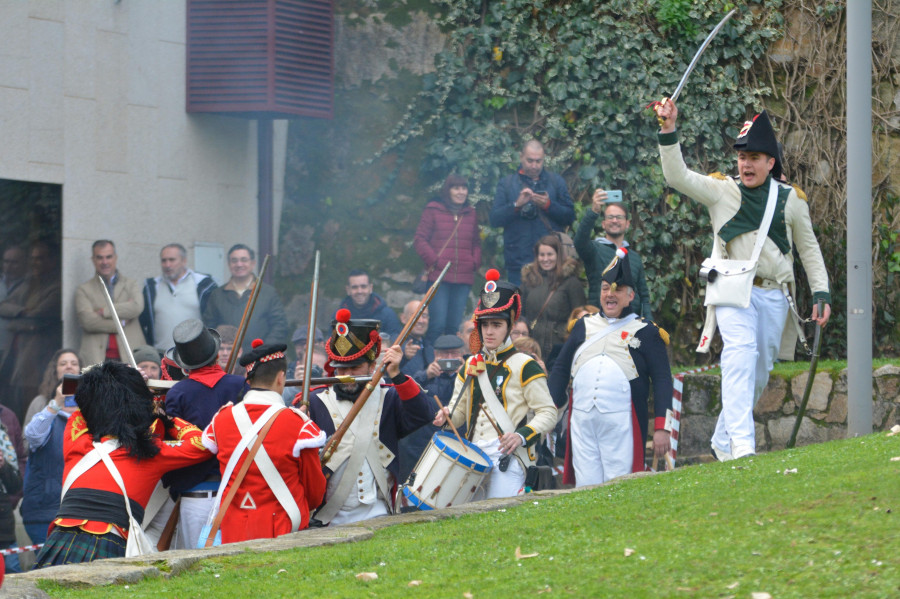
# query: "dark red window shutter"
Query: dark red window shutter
{"points": [[258, 58]]}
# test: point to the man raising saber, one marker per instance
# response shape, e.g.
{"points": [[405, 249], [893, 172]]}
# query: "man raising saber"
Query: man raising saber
{"points": [[751, 335]]}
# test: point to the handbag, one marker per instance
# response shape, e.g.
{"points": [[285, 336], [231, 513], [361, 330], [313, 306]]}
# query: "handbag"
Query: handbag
{"points": [[420, 285], [565, 240], [730, 282], [137, 543]]}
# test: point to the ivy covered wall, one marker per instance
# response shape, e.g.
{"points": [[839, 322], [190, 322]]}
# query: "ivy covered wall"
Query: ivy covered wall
{"points": [[426, 88]]}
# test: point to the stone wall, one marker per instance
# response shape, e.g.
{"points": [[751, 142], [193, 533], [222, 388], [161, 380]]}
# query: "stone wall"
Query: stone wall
{"points": [[776, 411]]}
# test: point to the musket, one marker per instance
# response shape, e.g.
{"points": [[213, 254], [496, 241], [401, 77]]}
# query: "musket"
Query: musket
{"points": [[813, 362], [694, 61], [327, 380], [119, 327], [245, 319], [158, 386], [310, 333], [335, 439]]}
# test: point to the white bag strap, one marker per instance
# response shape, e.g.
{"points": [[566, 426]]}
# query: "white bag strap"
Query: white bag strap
{"points": [[611, 328], [87, 461], [500, 416], [114, 472], [766, 221], [246, 440], [269, 471]]}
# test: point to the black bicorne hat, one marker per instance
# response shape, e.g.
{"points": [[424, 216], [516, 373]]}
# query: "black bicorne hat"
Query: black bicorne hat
{"points": [[260, 354], [353, 340], [195, 345], [618, 272], [759, 136]]}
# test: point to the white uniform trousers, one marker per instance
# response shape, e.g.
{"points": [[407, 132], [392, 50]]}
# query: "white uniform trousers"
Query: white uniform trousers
{"points": [[751, 337], [192, 517], [500, 484], [602, 445]]}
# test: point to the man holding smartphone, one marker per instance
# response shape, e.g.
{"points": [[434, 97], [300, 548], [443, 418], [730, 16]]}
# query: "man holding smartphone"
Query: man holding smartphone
{"points": [[596, 253], [529, 204]]}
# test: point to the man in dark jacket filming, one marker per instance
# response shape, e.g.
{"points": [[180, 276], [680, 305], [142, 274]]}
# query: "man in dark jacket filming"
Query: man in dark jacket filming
{"points": [[529, 204]]}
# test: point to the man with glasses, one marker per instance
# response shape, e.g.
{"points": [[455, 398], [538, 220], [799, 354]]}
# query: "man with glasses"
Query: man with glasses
{"points": [[597, 253], [226, 304]]}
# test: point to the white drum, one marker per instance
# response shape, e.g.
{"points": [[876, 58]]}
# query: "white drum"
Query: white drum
{"points": [[448, 473]]}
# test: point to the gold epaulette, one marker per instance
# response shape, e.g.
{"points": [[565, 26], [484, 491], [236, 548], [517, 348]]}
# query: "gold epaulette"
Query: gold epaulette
{"points": [[800, 193], [719, 176], [663, 334]]}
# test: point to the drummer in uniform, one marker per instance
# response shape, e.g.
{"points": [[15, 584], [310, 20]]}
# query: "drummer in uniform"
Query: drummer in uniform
{"points": [[363, 471], [497, 388]]}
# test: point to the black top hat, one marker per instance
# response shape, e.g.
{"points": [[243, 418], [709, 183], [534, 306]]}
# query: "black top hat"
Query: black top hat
{"points": [[618, 271], [195, 345], [353, 341], [759, 136], [260, 354], [499, 299]]}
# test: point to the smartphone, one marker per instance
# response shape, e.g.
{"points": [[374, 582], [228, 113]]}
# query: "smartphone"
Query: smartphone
{"points": [[613, 195], [449, 365], [70, 401]]}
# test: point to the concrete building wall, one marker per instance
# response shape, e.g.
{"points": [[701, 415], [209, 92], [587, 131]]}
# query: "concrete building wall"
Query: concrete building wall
{"points": [[92, 97]]}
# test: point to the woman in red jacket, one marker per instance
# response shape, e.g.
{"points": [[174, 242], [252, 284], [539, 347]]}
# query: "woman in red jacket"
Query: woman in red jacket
{"points": [[448, 232]]}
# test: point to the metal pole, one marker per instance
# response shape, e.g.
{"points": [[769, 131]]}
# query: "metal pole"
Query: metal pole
{"points": [[859, 217], [264, 177]]}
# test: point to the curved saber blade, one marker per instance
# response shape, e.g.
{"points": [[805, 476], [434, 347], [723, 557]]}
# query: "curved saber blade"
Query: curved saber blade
{"points": [[699, 53]]}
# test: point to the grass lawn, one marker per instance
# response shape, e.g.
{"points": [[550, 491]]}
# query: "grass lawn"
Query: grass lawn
{"points": [[832, 529], [792, 369]]}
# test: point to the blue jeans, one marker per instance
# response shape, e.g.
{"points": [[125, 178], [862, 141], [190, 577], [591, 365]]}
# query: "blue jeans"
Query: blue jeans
{"points": [[37, 531], [446, 309]]}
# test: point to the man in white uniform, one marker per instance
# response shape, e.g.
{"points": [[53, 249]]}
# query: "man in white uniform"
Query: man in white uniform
{"points": [[751, 335]]}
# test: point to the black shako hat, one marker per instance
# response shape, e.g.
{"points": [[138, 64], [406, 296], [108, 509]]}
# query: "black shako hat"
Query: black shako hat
{"points": [[353, 340], [195, 345], [618, 272], [499, 299], [758, 135], [260, 353]]}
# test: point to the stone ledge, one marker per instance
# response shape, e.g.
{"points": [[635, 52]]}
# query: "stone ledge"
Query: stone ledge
{"points": [[172, 563]]}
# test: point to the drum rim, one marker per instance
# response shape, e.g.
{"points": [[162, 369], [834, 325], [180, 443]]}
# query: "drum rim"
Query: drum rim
{"points": [[455, 455]]}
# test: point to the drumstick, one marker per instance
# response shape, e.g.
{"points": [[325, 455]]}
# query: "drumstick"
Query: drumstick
{"points": [[450, 422], [491, 420]]}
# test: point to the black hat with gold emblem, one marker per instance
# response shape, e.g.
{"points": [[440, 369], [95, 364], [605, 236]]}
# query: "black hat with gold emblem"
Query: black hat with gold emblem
{"points": [[618, 272], [499, 299], [758, 135], [353, 341]]}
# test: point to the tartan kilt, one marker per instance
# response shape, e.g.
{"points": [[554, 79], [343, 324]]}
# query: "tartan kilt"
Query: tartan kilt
{"points": [[71, 545]]}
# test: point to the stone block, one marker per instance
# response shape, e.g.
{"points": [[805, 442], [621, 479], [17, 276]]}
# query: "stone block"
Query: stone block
{"points": [[773, 397], [696, 431], [780, 432], [762, 444], [880, 412], [836, 433], [701, 393], [887, 383], [837, 412], [818, 395], [840, 385]]}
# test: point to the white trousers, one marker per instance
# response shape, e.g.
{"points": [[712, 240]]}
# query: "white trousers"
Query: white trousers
{"points": [[602, 445], [500, 484], [192, 517], [751, 338]]}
